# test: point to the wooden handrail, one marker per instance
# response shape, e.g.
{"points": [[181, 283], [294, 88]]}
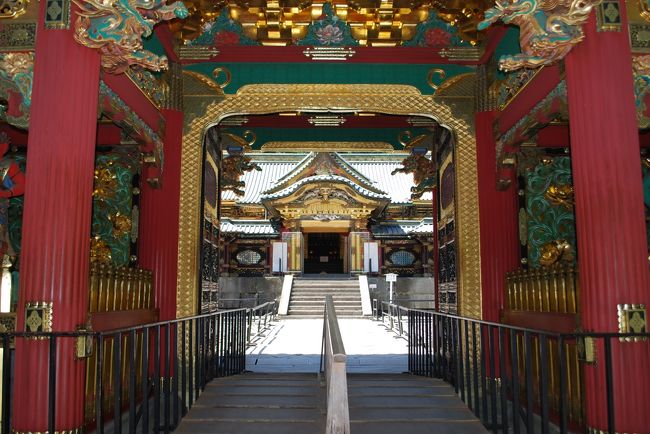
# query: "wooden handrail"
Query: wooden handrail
{"points": [[338, 412]]}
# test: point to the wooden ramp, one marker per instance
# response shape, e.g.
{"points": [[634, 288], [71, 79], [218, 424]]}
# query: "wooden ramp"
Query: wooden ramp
{"points": [[295, 404]]}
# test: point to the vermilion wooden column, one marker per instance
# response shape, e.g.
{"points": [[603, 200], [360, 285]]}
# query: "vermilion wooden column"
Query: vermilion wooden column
{"points": [[56, 225], [612, 250], [159, 211], [498, 220]]}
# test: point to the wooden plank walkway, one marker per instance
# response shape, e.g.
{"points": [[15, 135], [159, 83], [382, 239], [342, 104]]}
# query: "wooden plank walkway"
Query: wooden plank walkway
{"points": [[284, 395]]}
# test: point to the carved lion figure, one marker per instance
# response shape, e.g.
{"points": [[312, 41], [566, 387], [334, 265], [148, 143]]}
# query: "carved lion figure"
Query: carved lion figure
{"points": [[424, 173], [116, 30], [232, 168], [548, 28]]}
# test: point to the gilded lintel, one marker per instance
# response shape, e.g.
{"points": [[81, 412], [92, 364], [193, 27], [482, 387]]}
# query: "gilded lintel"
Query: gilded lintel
{"points": [[18, 36], [388, 99], [327, 147], [632, 318], [38, 317]]}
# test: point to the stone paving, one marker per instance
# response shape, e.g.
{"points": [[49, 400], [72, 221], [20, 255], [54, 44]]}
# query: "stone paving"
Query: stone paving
{"points": [[294, 345]]}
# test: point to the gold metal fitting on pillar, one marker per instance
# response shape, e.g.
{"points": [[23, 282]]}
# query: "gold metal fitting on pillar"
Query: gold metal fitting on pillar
{"points": [[632, 318], [83, 345], [586, 347], [38, 318]]}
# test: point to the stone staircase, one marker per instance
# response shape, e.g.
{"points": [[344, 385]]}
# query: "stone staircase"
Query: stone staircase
{"points": [[407, 404], [308, 297], [258, 403]]}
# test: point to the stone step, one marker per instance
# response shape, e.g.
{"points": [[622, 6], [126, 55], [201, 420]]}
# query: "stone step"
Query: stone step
{"points": [[337, 303], [322, 298]]}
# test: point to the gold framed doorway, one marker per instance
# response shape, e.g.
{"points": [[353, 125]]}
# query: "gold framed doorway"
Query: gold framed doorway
{"points": [[452, 106]]}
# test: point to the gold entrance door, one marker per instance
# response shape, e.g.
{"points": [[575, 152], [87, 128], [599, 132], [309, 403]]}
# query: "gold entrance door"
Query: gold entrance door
{"points": [[323, 253]]}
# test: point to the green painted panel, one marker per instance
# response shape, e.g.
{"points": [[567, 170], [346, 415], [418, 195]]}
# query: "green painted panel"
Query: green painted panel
{"points": [[113, 194], [547, 221], [264, 135], [328, 73], [15, 211]]}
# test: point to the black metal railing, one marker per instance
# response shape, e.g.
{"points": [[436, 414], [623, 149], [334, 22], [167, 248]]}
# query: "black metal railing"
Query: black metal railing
{"points": [[513, 379], [138, 390], [259, 319]]}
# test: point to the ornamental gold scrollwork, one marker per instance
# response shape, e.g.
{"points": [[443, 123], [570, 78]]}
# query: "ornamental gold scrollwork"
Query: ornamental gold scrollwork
{"points": [[548, 29], [13, 8], [116, 30]]}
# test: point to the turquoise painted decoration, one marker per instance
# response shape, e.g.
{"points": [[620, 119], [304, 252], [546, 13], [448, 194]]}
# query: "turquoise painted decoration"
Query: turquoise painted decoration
{"points": [[224, 31], [112, 203], [646, 197], [550, 216], [15, 211], [436, 33], [328, 31], [16, 74], [548, 29], [116, 30]]}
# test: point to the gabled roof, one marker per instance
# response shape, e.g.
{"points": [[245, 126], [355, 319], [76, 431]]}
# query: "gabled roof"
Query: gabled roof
{"points": [[292, 187], [323, 163]]}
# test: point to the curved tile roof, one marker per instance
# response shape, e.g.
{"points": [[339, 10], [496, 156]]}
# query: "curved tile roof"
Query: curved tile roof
{"points": [[319, 178]]}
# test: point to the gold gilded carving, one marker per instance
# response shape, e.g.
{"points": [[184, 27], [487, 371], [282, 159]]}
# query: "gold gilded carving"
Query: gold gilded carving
{"points": [[13, 8], [99, 250], [632, 318], [561, 195], [389, 99], [121, 224], [326, 146], [556, 251], [548, 29]]}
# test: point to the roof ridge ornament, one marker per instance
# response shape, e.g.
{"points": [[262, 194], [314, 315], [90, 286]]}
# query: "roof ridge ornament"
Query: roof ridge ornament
{"points": [[548, 29], [116, 30]]}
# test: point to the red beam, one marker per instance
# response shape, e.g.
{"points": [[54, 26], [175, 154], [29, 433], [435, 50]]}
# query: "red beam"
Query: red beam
{"points": [[553, 136], [540, 86], [135, 99], [105, 321], [166, 38], [547, 321]]}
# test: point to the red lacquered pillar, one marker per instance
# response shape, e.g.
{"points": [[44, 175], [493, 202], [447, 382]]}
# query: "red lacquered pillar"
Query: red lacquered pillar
{"points": [[498, 222], [612, 250], [159, 210], [56, 225]]}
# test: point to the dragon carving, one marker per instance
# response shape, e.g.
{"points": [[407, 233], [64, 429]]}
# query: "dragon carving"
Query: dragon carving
{"points": [[548, 29], [116, 29], [232, 168], [424, 173]]}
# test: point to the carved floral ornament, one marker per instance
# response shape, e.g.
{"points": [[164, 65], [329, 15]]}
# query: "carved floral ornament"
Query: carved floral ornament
{"points": [[116, 30], [548, 29]]}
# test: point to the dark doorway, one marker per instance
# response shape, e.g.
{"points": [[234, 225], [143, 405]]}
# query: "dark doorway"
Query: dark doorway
{"points": [[323, 253]]}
